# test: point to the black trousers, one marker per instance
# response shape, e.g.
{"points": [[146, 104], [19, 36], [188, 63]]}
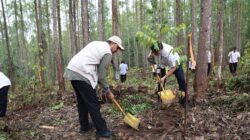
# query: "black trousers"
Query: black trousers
{"points": [[123, 78], [87, 102], [208, 68], [232, 67], [179, 74], [3, 100]]}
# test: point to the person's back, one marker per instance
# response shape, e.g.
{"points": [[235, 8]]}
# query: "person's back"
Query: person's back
{"points": [[123, 71], [234, 56], [123, 68]]}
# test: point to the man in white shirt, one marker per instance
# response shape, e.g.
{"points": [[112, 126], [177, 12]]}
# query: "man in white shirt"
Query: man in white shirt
{"points": [[172, 61], [4, 88], [85, 70], [234, 57], [123, 71]]}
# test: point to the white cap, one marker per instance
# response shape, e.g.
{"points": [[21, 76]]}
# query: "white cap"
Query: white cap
{"points": [[116, 40]]}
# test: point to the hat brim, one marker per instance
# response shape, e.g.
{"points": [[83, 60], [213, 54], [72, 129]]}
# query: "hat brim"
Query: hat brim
{"points": [[120, 46]]}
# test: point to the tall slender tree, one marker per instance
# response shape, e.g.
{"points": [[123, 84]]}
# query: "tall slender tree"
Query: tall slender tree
{"points": [[72, 27], [41, 46], [24, 49], [141, 25], [136, 54], [100, 27], [17, 33], [85, 22], [128, 38], [58, 48], [194, 24], [221, 41], [238, 24], [200, 84], [178, 20], [11, 69], [115, 31], [51, 60]]}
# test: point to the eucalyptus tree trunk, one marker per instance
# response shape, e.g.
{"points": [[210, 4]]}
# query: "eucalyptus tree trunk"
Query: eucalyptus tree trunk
{"points": [[10, 58], [17, 35], [141, 25], [85, 22], [100, 28], [56, 42], [238, 24], [72, 27], [128, 49], [200, 84], [51, 62], [136, 55], [221, 42], [194, 23], [79, 24], [23, 43], [2, 33], [115, 31], [41, 49], [178, 20]]}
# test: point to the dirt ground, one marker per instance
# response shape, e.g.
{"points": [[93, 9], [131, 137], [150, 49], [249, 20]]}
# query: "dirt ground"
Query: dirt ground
{"points": [[165, 123]]}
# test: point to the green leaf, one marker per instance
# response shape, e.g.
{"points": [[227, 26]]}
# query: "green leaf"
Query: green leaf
{"points": [[58, 106]]}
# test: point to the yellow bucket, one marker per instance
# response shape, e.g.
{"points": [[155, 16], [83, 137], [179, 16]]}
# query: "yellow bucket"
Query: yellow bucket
{"points": [[167, 96], [131, 121]]}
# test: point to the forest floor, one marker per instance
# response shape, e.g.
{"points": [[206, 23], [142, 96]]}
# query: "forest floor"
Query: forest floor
{"points": [[53, 116]]}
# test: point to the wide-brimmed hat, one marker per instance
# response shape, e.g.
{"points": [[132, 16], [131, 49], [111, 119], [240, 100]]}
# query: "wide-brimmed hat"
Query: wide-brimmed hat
{"points": [[116, 40]]}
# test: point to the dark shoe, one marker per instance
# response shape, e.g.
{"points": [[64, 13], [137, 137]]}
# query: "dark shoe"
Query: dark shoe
{"points": [[182, 102], [86, 129], [105, 134]]}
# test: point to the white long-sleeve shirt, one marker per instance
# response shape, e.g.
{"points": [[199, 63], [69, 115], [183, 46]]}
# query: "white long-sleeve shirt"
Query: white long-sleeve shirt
{"points": [[123, 68]]}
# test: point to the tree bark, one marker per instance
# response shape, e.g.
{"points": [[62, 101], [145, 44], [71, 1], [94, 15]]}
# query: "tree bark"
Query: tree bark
{"points": [[128, 41], [57, 44], [72, 27], [41, 49], [136, 56], [178, 21], [85, 22], [115, 31], [11, 69], [238, 24], [200, 84], [221, 42], [141, 25], [25, 53], [194, 25], [51, 62], [100, 20], [17, 34]]}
